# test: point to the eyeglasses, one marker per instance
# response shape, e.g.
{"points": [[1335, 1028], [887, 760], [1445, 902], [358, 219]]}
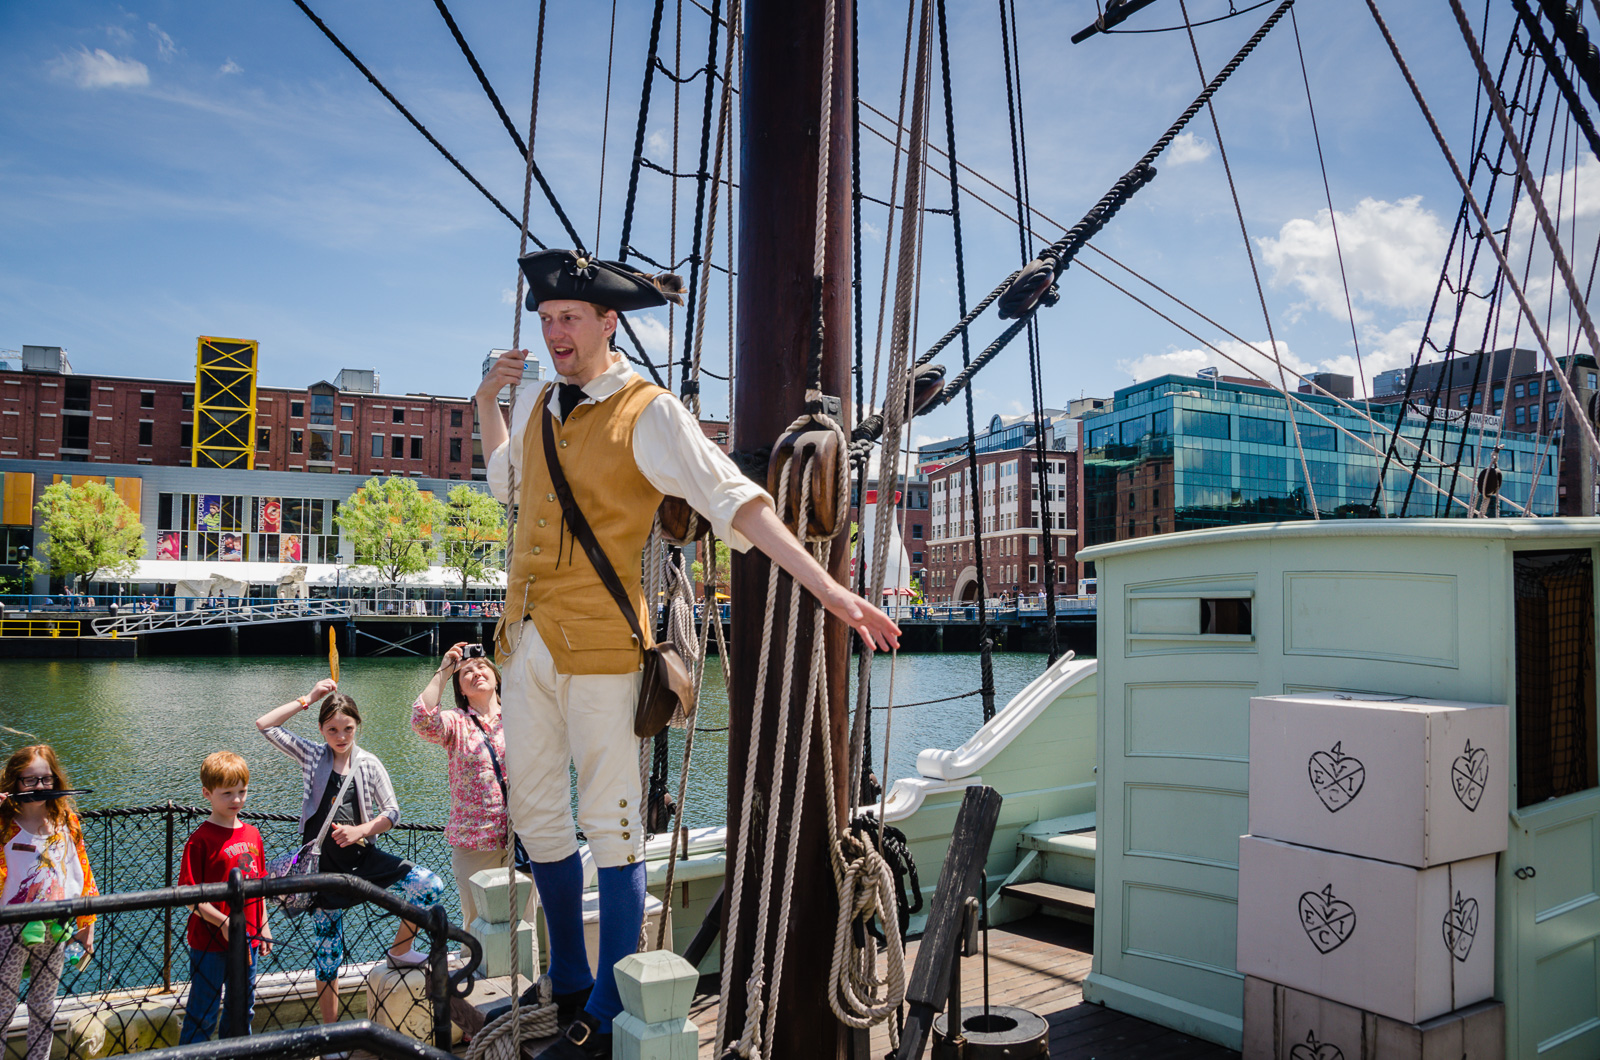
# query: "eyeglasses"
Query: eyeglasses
{"points": [[24, 783]]}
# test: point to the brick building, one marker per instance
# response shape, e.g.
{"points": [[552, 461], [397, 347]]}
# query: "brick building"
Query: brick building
{"points": [[1014, 559], [323, 428]]}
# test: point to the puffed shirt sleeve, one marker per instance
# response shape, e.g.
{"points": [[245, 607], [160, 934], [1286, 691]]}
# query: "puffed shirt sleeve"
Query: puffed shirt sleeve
{"points": [[677, 458], [503, 460]]}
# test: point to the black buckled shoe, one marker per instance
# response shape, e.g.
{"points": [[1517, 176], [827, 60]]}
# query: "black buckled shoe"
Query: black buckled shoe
{"points": [[581, 1040], [567, 1005]]}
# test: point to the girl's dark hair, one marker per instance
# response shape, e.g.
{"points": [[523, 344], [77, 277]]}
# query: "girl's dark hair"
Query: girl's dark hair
{"points": [[455, 679], [338, 703]]}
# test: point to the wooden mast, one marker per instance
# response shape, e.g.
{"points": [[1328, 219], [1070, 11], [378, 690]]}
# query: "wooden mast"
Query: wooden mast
{"points": [[780, 107]]}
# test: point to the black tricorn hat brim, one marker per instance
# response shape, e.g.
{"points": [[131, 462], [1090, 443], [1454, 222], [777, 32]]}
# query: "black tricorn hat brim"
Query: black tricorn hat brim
{"points": [[566, 274]]}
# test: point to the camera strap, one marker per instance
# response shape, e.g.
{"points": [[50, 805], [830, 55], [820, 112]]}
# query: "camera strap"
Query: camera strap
{"points": [[494, 759]]}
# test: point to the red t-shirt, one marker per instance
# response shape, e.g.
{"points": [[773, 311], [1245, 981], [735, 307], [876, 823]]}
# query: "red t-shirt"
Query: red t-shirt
{"points": [[208, 856]]}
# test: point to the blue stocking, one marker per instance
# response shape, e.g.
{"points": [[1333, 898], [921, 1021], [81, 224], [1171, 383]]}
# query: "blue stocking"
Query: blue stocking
{"points": [[560, 886], [621, 918]]}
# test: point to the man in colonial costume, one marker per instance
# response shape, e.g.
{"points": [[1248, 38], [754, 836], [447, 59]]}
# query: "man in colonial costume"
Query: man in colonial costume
{"points": [[570, 660]]}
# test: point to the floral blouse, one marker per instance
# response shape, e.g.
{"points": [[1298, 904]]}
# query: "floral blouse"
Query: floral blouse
{"points": [[477, 809], [75, 833]]}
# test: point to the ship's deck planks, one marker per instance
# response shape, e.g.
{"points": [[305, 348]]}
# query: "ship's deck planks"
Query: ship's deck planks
{"points": [[1039, 964]]}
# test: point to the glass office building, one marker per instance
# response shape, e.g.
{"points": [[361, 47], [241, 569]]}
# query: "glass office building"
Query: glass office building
{"points": [[1180, 453]]}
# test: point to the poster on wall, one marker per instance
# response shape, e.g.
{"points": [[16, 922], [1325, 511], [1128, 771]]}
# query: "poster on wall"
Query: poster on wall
{"points": [[169, 546], [269, 515], [210, 511], [289, 550], [230, 548]]}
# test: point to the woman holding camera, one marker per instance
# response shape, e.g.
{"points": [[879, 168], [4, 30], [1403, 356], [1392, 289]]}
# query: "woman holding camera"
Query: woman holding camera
{"points": [[472, 738]]}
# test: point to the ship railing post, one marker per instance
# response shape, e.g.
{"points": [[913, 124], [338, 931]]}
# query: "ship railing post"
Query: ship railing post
{"points": [[166, 914], [238, 977], [439, 975]]}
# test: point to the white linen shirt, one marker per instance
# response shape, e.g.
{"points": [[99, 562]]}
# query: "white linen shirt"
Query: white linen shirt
{"points": [[671, 450]]}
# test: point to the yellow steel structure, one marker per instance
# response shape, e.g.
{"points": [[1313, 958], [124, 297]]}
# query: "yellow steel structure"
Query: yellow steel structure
{"points": [[41, 627], [225, 403]]}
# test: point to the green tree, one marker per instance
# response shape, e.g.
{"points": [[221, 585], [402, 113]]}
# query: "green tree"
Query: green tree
{"points": [[474, 525], [724, 564], [91, 530], [390, 526]]}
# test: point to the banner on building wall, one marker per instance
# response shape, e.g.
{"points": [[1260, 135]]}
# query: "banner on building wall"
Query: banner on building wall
{"points": [[210, 515], [231, 549], [289, 549], [269, 515], [169, 545]]}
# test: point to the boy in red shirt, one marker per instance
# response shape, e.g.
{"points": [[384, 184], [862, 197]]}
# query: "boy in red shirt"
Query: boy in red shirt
{"points": [[220, 844]]}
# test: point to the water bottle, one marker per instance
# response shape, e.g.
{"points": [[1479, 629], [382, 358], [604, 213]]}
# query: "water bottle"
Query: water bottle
{"points": [[75, 955]]}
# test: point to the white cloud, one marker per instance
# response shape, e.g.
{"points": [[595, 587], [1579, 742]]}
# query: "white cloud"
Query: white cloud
{"points": [[118, 34], [508, 296], [101, 69], [166, 47], [1392, 253], [658, 145], [230, 67], [1187, 148], [652, 333], [1190, 361]]}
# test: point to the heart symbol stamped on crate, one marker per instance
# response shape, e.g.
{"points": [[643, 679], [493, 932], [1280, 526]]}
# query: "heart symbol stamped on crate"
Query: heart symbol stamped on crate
{"points": [[1311, 1049], [1461, 927], [1329, 922], [1336, 777], [1469, 776]]}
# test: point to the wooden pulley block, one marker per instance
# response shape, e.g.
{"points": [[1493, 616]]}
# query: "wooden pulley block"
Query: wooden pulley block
{"points": [[680, 524], [818, 449], [927, 383]]}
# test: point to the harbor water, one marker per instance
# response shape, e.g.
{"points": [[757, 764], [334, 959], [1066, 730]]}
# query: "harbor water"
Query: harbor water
{"points": [[136, 730]]}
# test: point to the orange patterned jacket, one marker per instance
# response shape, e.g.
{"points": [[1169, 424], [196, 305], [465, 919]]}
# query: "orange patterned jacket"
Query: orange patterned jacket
{"points": [[75, 830]]}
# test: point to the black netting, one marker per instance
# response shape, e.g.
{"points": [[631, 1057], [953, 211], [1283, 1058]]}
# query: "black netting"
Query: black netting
{"points": [[1555, 674]]}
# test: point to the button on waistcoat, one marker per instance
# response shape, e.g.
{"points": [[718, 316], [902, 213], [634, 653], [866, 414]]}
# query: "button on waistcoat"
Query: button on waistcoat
{"points": [[577, 618]]}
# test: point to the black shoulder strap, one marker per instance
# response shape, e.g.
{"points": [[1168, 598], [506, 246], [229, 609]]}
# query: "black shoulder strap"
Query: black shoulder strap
{"points": [[494, 759], [581, 531]]}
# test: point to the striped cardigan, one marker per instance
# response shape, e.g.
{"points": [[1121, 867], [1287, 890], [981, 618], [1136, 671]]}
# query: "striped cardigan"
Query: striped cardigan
{"points": [[374, 793]]}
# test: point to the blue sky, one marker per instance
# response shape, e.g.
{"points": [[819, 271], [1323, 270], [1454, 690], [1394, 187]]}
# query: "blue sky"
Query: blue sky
{"points": [[170, 170]]}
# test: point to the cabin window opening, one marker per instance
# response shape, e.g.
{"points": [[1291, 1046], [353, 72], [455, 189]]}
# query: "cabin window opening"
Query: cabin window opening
{"points": [[1226, 616], [1554, 593]]}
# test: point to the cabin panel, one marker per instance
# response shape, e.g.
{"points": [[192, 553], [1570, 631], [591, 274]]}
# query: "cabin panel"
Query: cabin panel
{"points": [[1197, 825], [1394, 616], [1188, 720]]}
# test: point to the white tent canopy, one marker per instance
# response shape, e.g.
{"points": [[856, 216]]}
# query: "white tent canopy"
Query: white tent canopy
{"points": [[327, 575]]}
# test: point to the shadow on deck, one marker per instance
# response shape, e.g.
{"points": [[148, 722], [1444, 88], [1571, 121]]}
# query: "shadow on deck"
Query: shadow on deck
{"points": [[1039, 964]]}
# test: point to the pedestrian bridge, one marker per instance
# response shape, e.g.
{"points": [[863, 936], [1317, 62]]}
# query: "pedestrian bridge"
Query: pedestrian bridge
{"points": [[223, 614]]}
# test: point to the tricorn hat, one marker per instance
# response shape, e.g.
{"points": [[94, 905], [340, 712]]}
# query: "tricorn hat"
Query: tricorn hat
{"points": [[571, 274]]}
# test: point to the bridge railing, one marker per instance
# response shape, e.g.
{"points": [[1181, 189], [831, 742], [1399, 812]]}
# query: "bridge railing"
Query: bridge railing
{"points": [[221, 614]]}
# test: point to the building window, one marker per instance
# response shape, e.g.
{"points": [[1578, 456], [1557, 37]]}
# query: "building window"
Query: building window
{"points": [[1518, 391], [377, 445], [416, 448], [1255, 429], [147, 398], [1589, 379], [297, 441], [1155, 498], [397, 447], [322, 444], [916, 557], [297, 410], [1552, 410], [1033, 550], [147, 432], [1552, 386], [455, 417], [455, 447], [188, 401], [263, 439], [345, 439], [347, 412], [916, 531], [322, 409], [1477, 399], [186, 435], [1533, 413], [1463, 400], [399, 415], [1521, 414]]}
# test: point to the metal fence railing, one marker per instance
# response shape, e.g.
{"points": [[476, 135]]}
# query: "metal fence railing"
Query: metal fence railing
{"points": [[131, 1018]]}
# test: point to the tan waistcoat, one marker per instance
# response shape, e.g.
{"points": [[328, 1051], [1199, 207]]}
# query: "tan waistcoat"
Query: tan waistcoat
{"points": [[577, 618]]}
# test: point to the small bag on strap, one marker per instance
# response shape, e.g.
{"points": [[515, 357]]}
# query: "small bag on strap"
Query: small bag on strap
{"points": [[666, 686]]}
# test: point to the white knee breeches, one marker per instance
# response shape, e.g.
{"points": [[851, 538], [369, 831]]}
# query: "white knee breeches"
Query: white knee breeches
{"points": [[553, 719]]}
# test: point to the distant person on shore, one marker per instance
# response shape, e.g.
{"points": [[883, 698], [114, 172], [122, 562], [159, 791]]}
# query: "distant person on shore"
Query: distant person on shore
{"points": [[476, 747], [351, 784], [221, 843], [45, 861]]}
